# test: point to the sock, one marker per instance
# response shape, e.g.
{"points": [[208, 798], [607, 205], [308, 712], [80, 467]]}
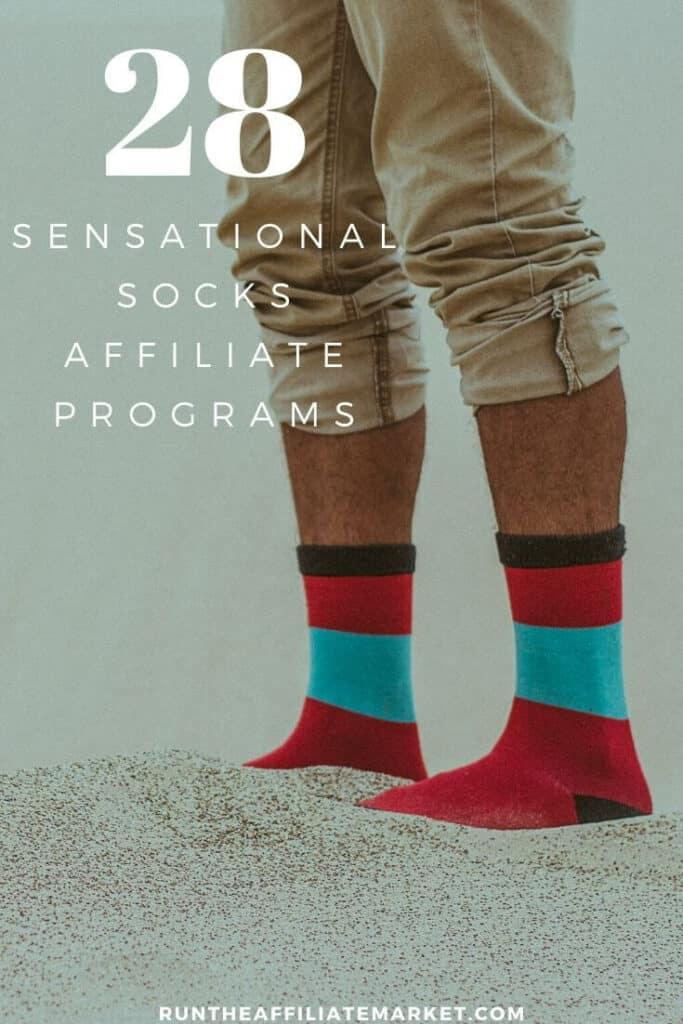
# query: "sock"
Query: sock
{"points": [[358, 711], [566, 755]]}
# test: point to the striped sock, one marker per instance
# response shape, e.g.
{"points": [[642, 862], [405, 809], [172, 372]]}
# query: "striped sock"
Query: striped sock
{"points": [[566, 755], [358, 711]]}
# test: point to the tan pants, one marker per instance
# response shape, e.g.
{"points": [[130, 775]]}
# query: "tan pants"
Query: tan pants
{"points": [[447, 120]]}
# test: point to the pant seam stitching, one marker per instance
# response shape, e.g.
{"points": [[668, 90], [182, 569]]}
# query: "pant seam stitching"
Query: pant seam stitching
{"points": [[329, 267], [506, 229], [381, 369], [492, 116], [492, 113], [530, 271]]}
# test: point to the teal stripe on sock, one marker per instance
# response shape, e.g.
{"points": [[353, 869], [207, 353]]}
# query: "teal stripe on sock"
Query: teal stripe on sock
{"points": [[363, 673], [578, 669]]}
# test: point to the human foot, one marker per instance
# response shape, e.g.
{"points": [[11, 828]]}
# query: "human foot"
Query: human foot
{"points": [[358, 712], [551, 767], [567, 754], [327, 735]]}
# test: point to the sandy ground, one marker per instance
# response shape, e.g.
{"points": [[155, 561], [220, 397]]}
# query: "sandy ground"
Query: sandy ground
{"points": [[171, 879]]}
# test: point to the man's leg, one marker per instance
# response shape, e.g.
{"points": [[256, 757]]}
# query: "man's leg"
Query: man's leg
{"points": [[357, 488], [476, 168], [354, 488], [554, 466], [354, 498]]}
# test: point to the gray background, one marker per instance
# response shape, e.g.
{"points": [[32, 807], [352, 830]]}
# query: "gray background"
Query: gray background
{"points": [[150, 598]]}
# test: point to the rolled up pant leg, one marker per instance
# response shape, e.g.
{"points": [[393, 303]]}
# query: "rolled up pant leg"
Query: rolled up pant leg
{"points": [[358, 296], [474, 103]]}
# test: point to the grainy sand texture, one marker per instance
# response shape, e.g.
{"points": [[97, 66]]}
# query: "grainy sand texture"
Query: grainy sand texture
{"points": [[173, 879]]}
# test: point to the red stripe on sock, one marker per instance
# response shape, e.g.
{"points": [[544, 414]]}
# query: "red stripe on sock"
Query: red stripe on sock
{"points": [[332, 736], [594, 755], [572, 597], [360, 604], [545, 758]]}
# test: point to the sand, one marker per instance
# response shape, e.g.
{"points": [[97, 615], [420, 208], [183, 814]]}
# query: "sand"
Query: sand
{"points": [[173, 879]]}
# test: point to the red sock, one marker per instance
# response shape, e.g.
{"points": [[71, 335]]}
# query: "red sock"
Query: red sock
{"points": [[358, 712], [566, 755]]}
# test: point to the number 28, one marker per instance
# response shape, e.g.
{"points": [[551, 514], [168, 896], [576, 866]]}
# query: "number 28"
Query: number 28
{"points": [[223, 138]]}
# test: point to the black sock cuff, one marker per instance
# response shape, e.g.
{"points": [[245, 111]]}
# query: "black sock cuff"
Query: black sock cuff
{"points": [[517, 551], [356, 560]]}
